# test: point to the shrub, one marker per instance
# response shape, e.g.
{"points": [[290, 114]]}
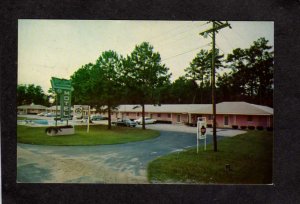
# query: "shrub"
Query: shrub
{"points": [[209, 125], [164, 122], [56, 128], [243, 127], [250, 127], [235, 126], [259, 127], [269, 128]]}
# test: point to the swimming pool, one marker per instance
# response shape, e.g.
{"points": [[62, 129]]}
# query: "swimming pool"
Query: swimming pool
{"points": [[43, 122]]}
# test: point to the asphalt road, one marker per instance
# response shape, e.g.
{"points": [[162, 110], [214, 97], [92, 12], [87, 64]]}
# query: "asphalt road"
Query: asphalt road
{"points": [[121, 163]]}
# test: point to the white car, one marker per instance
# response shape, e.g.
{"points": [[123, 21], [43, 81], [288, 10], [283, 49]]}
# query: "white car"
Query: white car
{"points": [[147, 120], [42, 114]]}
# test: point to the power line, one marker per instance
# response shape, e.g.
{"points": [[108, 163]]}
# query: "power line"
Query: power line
{"points": [[227, 41], [238, 35], [161, 35], [220, 48], [185, 52], [170, 40], [185, 31]]}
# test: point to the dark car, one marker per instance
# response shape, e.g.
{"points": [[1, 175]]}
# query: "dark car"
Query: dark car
{"points": [[97, 117], [125, 122]]}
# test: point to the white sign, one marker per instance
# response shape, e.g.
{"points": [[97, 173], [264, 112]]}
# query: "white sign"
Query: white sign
{"points": [[81, 110], [77, 111], [201, 131]]}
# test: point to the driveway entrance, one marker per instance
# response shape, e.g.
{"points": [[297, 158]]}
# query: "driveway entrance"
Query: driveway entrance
{"points": [[120, 163]]}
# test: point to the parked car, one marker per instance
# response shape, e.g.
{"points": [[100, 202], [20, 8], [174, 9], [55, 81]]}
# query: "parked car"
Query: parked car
{"points": [[147, 120], [50, 115], [42, 114], [125, 122], [97, 117]]}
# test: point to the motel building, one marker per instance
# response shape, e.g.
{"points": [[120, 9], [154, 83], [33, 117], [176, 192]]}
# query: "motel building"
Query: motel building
{"points": [[31, 109], [228, 114]]}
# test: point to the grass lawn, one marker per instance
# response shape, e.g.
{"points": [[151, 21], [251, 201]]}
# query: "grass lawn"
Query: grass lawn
{"points": [[97, 135], [249, 155], [25, 118]]}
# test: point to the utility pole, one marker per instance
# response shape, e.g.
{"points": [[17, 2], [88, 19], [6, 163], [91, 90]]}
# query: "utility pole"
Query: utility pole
{"points": [[216, 25]]}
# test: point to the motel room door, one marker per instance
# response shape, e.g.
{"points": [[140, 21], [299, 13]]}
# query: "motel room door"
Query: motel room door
{"points": [[226, 120]]}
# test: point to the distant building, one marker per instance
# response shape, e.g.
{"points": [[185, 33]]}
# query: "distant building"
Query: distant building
{"points": [[227, 113], [31, 109]]}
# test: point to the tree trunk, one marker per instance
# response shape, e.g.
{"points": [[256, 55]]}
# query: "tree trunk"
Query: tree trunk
{"points": [[143, 116], [109, 116], [194, 98]]}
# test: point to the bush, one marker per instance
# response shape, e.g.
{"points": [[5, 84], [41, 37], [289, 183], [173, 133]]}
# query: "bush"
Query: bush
{"points": [[190, 124], [209, 125], [259, 127], [56, 128], [235, 126], [243, 127], [163, 122], [250, 127], [269, 128]]}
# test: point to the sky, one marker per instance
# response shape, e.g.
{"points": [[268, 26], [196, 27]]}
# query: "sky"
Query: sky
{"points": [[57, 48]]}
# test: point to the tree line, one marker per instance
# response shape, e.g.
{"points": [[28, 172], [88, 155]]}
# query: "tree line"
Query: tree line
{"points": [[28, 94], [244, 75], [141, 78]]}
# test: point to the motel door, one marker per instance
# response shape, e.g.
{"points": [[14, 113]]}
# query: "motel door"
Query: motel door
{"points": [[225, 120], [178, 118]]}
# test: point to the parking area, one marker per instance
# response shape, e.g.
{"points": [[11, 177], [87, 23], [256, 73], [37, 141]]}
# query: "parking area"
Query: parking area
{"points": [[161, 127], [122, 163]]}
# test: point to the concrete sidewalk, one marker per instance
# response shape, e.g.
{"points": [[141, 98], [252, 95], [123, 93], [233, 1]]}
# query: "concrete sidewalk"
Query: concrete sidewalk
{"points": [[188, 129]]}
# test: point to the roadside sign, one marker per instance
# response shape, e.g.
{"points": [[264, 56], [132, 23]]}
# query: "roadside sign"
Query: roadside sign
{"points": [[80, 111], [63, 88], [201, 131]]}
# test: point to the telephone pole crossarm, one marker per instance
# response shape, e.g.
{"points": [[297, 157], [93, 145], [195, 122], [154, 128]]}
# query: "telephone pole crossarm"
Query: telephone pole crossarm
{"points": [[219, 26]]}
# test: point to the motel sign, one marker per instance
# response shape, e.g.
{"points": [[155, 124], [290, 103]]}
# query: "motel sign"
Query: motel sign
{"points": [[63, 88]]}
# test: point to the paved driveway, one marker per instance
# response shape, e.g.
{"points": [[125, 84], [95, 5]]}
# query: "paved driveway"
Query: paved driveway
{"points": [[121, 163]]}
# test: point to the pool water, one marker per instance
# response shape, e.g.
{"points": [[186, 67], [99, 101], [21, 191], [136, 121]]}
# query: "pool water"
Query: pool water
{"points": [[42, 122]]}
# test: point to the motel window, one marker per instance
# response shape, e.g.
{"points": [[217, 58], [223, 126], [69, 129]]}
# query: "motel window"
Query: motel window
{"points": [[178, 118], [250, 118], [158, 115], [169, 115], [138, 114], [127, 114], [209, 117], [151, 115]]}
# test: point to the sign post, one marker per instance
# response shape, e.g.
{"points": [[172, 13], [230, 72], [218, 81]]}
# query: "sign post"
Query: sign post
{"points": [[63, 89], [88, 128], [201, 131], [81, 111]]}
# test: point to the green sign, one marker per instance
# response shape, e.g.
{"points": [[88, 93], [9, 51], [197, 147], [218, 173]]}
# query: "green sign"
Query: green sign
{"points": [[63, 88], [61, 84], [65, 104]]}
